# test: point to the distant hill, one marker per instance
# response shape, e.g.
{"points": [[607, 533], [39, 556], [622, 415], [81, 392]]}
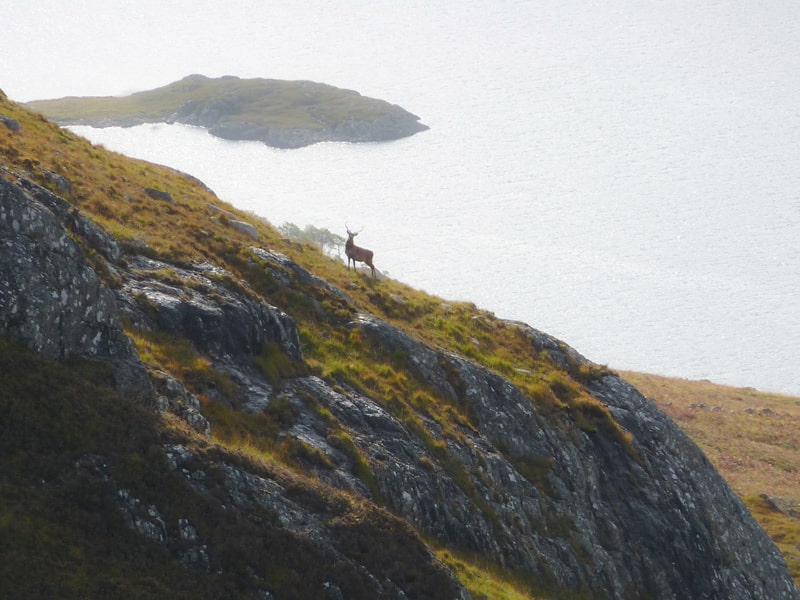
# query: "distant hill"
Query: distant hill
{"points": [[283, 114]]}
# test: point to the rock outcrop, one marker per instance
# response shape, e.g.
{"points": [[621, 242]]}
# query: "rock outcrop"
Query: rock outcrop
{"points": [[196, 305], [51, 297], [572, 506]]}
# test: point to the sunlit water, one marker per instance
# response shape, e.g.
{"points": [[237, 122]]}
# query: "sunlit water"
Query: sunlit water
{"points": [[622, 175]]}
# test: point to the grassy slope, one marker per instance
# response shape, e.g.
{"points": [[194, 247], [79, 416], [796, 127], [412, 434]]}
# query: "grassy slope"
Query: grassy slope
{"points": [[750, 437], [109, 188], [266, 102]]}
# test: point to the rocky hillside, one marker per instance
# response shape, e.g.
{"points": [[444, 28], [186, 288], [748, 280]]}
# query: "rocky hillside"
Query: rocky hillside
{"points": [[751, 438], [284, 114], [193, 406]]}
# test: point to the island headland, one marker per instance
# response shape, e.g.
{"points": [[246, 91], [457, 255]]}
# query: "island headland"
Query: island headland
{"points": [[282, 114]]}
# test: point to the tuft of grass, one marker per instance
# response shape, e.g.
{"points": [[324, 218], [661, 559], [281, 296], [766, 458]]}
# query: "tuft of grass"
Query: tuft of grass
{"points": [[341, 440], [487, 581], [275, 365], [177, 356], [254, 434]]}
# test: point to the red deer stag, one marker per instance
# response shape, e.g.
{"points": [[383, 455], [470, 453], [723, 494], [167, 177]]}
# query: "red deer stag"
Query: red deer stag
{"points": [[357, 253]]}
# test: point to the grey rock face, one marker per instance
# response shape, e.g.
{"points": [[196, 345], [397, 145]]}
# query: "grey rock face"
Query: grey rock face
{"points": [[285, 270], [62, 184], [318, 526], [51, 298], [580, 509], [172, 396], [701, 536], [245, 228], [216, 320], [159, 195]]}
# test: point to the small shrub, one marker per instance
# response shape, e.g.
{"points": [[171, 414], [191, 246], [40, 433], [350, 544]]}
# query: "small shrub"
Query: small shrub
{"points": [[564, 389], [304, 453], [275, 365], [341, 440]]}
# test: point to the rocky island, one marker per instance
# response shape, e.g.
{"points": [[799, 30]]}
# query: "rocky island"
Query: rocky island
{"points": [[282, 114], [195, 407]]}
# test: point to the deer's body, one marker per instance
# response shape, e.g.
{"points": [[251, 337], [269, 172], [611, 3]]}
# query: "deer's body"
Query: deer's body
{"points": [[357, 253]]}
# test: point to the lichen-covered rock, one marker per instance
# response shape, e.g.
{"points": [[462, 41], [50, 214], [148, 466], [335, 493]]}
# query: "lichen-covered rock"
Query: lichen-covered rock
{"points": [[157, 194], [51, 298], [73, 221], [172, 396], [12, 124], [197, 305], [62, 184], [245, 228], [348, 542], [580, 508], [286, 272]]}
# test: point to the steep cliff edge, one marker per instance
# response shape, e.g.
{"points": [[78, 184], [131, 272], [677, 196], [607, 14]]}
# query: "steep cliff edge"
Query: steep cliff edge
{"points": [[256, 430]]}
